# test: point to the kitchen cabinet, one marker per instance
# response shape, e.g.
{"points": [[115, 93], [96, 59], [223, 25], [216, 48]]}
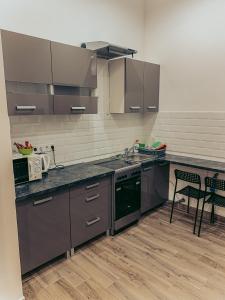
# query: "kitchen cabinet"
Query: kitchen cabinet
{"points": [[126, 85], [154, 185], [72, 104], [26, 58], [25, 104], [43, 228], [73, 66], [134, 86], [90, 210], [151, 87]]}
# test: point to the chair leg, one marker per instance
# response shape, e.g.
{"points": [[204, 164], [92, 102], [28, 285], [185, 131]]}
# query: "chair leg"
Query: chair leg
{"points": [[212, 219], [196, 216], [200, 224], [188, 207], [171, 215]]}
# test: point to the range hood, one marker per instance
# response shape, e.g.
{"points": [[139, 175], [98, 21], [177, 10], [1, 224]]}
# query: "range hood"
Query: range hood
{"points": [[108, 51]]}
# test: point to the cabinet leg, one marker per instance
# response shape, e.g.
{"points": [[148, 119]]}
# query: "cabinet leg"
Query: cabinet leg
{"points": [[67, 254], [72, 252], [108, 232]]}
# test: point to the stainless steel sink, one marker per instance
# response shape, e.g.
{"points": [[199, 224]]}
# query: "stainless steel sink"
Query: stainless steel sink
{"points": [[138, 157]]}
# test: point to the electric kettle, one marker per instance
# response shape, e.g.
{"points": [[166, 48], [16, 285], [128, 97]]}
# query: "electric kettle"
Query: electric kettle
{"points": [[45, 162]]}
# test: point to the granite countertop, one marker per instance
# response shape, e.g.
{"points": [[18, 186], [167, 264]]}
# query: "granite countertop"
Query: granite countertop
{"points": [[60, 178], [63, 178], [204, 164]]}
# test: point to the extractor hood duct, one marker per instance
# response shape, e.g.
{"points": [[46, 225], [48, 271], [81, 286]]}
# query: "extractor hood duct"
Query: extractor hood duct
{"points": [[108, 51]]}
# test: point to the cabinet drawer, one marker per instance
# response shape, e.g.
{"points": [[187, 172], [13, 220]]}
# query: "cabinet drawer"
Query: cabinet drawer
{"points": [[92, 202], [90, 187], [29, 104], [69, 104], [89, 224], [44, 229]]}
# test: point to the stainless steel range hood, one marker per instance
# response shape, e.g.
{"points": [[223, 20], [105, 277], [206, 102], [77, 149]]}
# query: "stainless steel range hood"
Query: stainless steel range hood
{"points": [[108, 51]]}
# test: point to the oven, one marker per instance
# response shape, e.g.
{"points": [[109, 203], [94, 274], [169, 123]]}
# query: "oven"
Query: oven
{"points": [[127, 198]]}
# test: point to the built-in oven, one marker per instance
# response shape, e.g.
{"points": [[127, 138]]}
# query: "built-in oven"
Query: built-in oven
{"points": [[127, 198]]}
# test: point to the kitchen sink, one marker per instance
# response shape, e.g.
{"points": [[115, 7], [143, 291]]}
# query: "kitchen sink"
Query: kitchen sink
{"points": [[138, 157]]}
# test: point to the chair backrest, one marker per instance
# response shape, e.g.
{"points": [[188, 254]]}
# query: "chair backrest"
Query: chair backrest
{"points": [[214, 183], [187, 176]]}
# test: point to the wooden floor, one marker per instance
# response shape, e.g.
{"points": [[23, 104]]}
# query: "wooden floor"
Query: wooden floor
{"points": [[154, 260]]}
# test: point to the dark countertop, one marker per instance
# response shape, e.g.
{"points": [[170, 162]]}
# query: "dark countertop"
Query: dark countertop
{"points": [[64, 178], [60, 178], [204, 164]]}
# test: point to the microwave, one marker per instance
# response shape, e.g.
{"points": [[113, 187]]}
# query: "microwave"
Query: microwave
{"points": [[27, 168]]}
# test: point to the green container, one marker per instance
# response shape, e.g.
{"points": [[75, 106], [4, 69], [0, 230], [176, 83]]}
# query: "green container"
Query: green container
{"points": [[25, 151], [142, 146]]}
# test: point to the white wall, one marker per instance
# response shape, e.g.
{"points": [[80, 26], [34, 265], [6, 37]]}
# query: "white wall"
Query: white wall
{"points": [[76, 21], [187, 38], [10, 279]]}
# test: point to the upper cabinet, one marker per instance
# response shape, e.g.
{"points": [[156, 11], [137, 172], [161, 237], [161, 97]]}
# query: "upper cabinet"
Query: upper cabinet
{"points": [[134, 86], [151, 87], [126, 85], [26, 58], [73, 66]]}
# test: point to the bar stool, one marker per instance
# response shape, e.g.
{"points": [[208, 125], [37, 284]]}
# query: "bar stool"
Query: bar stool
{"points": [[189, 191], [212, 184]]}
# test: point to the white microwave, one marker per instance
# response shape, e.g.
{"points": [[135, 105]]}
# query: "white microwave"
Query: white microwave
{"points": [[27, 168]]}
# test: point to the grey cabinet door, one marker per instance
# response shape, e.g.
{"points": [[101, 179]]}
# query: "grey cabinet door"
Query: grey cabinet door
{"points": [[69, 104], [151, 87], [134, 75], [29, 104], [161, 181], [26, 58], [44, 229], [147, 188], [73, 66], [90, 211]]}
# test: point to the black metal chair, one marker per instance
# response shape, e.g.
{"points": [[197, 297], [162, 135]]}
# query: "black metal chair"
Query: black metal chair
{"points": [[212, 184], [189, 191]]}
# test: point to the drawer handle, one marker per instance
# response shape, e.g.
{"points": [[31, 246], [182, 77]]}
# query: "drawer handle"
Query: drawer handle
{"points": [[92, 186], [164, 164], [118, 189], [78, 108], [147, 169], [89, 223], [92, 198], [27, 107], [152, 107], [38, 202], [135, 107], [138, 183]]}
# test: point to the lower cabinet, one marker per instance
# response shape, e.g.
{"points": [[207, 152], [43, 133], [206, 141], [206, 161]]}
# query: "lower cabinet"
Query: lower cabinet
{"points": [[43, 228], [90, 206], [155, 185]]}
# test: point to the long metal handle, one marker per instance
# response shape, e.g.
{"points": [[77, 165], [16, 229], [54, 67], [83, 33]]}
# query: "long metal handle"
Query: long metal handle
{"points": [[118, 189], [147, 169], [152, 107], [26, 107], [78, 108], [38, 202], [135, 107], [92, 186], [89, 223], [138, 182], [89, 199]]}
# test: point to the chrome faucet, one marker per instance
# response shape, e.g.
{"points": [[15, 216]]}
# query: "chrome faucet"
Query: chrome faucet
{"points": [[127, 151]]}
